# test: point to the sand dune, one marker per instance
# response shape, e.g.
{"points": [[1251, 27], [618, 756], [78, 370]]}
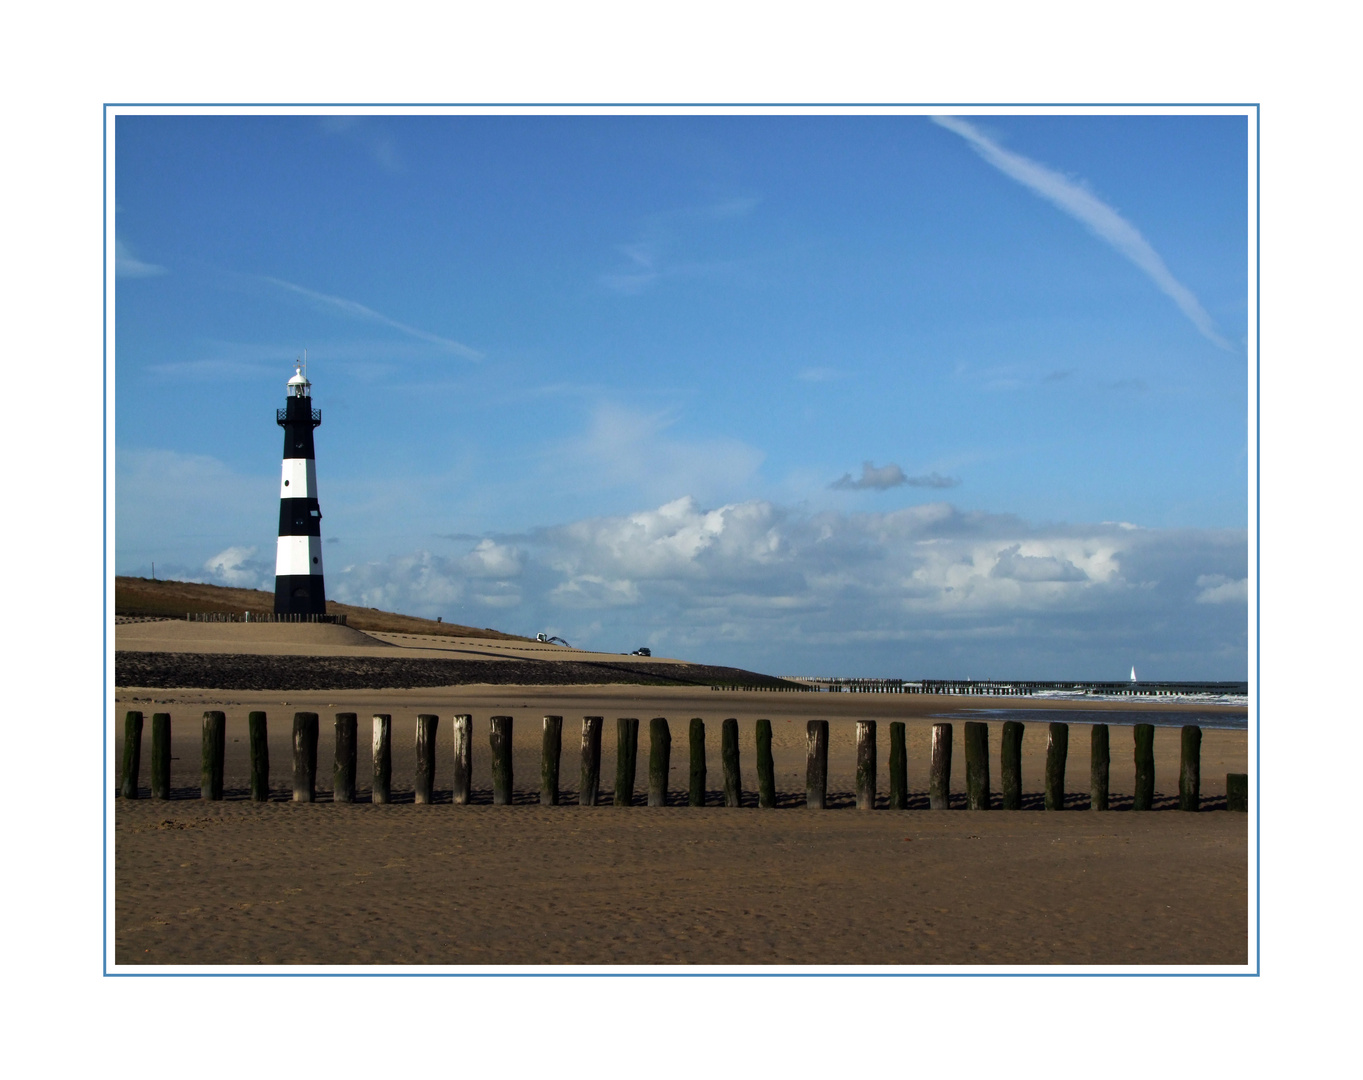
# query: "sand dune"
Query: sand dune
{"points": [[269, 639]]}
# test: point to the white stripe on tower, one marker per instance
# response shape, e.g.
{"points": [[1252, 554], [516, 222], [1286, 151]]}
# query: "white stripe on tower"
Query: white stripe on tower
{"points": [[299, 480], [298, 555]]}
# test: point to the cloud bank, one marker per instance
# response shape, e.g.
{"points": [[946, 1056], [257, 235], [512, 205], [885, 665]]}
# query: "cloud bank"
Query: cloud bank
{"points": [[1099, 218], [923, 591]]}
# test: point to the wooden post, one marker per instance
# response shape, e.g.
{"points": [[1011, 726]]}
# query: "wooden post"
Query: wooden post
{"points": [[626, 758], [899, 768], [550, 751], [132, 754], [1145, 767], [816, 764], [728, 756], [659, 760], [590, 784], [1237, 792], [1190, 769], [160, 755], [1099, 761], [976, 765], [343, 770], [304, 756], [214, 749], [1057, 750], [462, 773], [257, 733], [866, 764], [383, 758], [426, 725], [766, 767], [696, 793], [499, 735], [939, 769], [1011, 760]]}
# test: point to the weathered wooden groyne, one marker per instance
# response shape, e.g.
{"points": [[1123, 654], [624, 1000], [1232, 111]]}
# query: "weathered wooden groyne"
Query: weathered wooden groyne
{"points": [[979, 794]]}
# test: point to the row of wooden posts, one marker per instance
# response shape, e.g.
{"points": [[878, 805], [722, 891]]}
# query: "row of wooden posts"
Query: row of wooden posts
{"points": [[766, 689], [977, 781]]}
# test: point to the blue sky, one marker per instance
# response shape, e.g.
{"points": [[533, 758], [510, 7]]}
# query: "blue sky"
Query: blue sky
{"points": [[850, 395]]}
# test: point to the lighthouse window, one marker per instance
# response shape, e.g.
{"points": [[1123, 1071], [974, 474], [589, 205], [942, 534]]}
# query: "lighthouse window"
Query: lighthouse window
{"points": [[286, 483], [314, 558], [317, 513]]}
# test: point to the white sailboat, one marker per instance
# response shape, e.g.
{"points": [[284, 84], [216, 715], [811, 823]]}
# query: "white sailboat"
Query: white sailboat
{"points": [[1133, 672]]}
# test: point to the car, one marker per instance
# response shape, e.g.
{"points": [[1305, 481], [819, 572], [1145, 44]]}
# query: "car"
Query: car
{"points": [[642, 650]]}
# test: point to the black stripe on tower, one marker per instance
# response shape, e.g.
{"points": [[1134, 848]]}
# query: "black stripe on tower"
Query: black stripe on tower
{"points": [[300, 594], [299, 517], [298, 418]]}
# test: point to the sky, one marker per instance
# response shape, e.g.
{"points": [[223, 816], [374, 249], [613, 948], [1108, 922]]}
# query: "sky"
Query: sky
{"points": [[883, 395]]}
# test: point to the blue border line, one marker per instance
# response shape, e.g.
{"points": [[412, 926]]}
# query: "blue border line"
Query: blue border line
{"points": [[104, 545], [1258, 549], [1258, 559], [683, 105]]}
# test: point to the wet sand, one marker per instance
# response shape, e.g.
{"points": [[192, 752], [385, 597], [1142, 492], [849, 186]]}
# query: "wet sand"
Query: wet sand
{"points": [[281, 883]]}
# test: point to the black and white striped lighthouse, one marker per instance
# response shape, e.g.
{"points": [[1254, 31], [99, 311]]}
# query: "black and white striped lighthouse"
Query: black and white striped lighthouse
{"points": [[298, 588]]}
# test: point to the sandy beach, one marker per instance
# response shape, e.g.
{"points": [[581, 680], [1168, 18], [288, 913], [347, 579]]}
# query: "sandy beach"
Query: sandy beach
{"points": [[236, 882]]}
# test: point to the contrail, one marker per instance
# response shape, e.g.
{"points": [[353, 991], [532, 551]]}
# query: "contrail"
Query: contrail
{"points": [[1103, 221], [350, 307]]}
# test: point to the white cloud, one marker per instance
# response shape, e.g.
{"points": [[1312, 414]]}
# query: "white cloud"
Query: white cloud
{"points": [[238, 567], [168, 504], [648, 258], [359, 311], [591, 592], [422, 583], [213, 370], [1219, 589], [492, 560], [1100, 219], [365, 132], [628, 448], [1013, 565], [419, 583], [127, 265]]}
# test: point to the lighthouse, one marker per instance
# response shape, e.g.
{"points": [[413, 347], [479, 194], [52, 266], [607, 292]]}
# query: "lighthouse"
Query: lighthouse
{"points": [[298, 588]]}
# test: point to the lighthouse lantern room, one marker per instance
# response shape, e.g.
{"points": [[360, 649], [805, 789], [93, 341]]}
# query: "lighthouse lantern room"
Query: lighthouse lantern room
{"points": [[298, 588]]}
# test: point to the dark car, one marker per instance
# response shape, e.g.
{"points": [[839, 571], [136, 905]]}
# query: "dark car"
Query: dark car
{"points": [[642, 650]]}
